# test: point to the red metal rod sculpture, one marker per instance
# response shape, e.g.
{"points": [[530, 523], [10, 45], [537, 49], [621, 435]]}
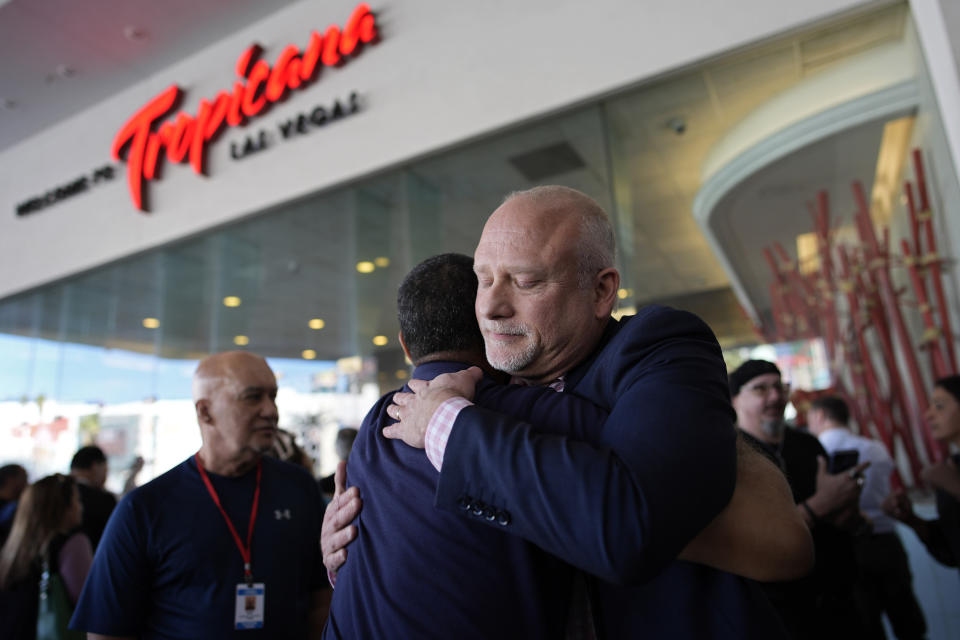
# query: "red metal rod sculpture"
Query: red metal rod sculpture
{"points": [[925, 216], [874, 316], [801, 293], [861, 364], [931, 339], [877, 266], [828, 310], [919, 282]]}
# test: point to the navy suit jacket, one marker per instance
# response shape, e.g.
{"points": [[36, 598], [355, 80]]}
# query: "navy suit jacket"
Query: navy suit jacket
{"points": [[622, 504], [416, 572]]}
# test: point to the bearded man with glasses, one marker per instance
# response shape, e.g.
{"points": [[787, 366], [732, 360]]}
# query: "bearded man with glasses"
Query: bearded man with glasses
{"points": [[820, 605]]}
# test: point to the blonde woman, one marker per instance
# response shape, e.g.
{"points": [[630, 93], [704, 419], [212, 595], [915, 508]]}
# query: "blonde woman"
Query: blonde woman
{"points": [[44, 526]]}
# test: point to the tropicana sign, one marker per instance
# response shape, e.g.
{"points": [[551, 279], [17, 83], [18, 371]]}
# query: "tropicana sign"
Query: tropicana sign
{"points": [[260, 85]]}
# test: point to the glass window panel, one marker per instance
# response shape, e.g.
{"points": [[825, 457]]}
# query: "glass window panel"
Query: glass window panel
{"points": [[113, 350]]}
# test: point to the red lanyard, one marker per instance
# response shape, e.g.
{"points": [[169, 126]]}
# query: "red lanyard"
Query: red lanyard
{"points": [[244, 549]]}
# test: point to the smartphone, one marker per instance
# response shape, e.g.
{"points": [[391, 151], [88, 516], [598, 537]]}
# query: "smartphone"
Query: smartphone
{"points": [[843, 460]]}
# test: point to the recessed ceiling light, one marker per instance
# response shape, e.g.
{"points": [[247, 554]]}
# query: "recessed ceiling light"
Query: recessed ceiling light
{"points": [[380, 340], [382, 261], [365, 267], [677, 124], [316, 323], [241, 341], [231, 301], [151, 323], [308, 354], [622, 293]]}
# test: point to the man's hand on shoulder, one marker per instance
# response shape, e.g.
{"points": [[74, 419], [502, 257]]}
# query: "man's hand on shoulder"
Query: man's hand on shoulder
{"points": [[336, 532], [413, 411]]}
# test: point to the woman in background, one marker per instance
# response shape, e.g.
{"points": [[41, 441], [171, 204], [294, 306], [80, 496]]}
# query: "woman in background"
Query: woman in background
{"points": [[940, 536], [45, 525]]}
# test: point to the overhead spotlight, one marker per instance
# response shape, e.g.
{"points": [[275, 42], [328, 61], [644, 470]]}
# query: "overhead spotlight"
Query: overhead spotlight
{"points": [[151, 323], [622, 294], [241, 341], [382, 261], [316, 323], [232, 301], [308, 354], [365, 266], [380, 340]]}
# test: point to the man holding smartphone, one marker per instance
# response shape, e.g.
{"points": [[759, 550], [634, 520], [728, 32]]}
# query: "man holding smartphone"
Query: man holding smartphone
{"points": [[885, 584], [820, 605]]}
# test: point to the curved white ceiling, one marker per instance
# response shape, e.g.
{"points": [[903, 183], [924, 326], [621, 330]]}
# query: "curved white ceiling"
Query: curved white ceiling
{"points": [[833, 119]]}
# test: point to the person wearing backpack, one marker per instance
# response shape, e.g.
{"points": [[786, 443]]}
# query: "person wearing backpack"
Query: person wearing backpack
{"points": [[44, 562]]}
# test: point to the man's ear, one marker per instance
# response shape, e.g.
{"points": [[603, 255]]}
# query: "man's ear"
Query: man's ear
{"points": [[814, 416], [403, 344], [203, 411], [734, 402], [605, 292]]}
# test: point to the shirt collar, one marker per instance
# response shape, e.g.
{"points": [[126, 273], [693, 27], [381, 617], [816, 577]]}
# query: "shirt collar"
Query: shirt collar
{"points": [[833, 435], [556, 385]]}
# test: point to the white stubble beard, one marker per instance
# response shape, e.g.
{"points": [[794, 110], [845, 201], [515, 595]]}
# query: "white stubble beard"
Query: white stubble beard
{"points": [[517, 360], [774, 428]]}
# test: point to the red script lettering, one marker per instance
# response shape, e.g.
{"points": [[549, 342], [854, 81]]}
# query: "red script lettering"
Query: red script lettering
{"points": [[144, 135]]}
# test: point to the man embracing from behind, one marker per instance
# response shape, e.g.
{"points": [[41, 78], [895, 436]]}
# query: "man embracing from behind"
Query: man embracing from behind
{"points": [[622, 500]]}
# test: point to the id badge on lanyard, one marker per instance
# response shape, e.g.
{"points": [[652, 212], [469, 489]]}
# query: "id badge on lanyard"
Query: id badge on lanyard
{"points": [[249, 606], [250, 595]]}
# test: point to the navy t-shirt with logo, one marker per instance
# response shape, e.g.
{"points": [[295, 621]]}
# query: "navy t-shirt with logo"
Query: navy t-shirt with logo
{"points": [[168, 566]]}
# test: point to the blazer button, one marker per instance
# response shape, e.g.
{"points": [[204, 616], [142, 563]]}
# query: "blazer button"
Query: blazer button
{"points": [[503, 518], [464, 502], [490, 514], [478, 508]]}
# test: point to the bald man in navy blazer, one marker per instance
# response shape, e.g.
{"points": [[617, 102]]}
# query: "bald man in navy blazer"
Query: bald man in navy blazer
{"points": [[664, 463]]}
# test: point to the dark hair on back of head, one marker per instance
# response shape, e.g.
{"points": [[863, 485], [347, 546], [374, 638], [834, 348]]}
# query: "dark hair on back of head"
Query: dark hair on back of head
{"points": [[950, 384], [344, 442], [834, 407], [435, 306], [39, 517], [11, 471], [86, 457]]}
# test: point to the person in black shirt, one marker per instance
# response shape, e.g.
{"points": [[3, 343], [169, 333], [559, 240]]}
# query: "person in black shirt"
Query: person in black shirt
{"points": [[89, 469], [820, 605], [13, 480]]}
